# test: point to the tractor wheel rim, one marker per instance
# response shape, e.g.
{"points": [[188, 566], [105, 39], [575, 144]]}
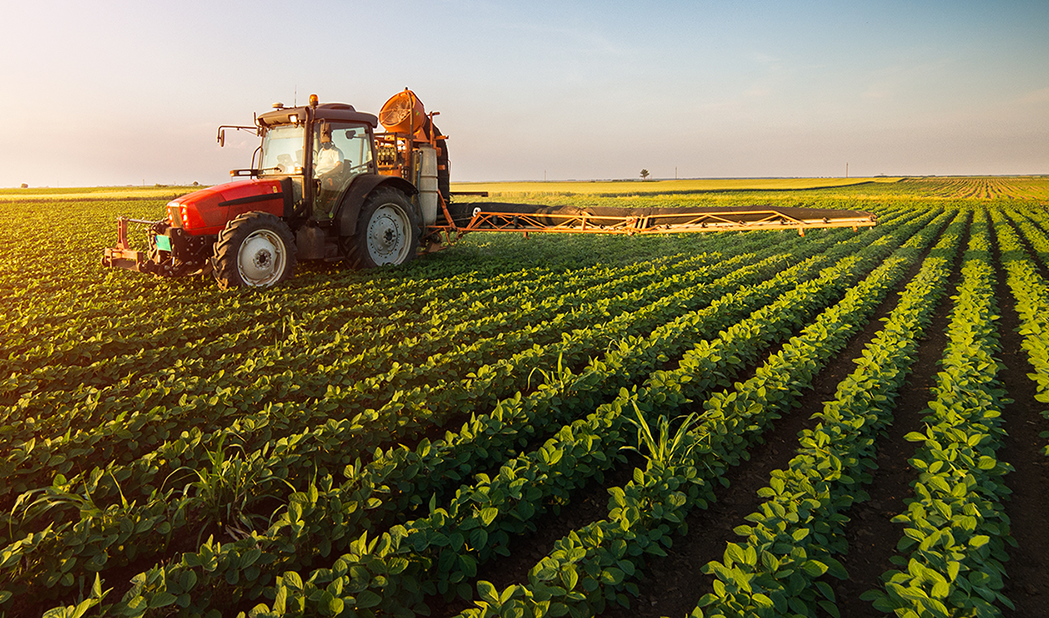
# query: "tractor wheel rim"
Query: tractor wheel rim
{"points": [[261, 259], [388, 233]]}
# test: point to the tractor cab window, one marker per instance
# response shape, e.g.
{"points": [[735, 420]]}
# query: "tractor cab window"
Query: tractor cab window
{"points": [[341, 146], [282, 149], [340, 152]]}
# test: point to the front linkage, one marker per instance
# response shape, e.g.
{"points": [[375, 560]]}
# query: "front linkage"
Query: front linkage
{"points": [[171, 253]]}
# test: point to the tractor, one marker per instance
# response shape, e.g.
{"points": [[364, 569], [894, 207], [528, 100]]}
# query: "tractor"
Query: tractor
{"points": [[323, 185]]}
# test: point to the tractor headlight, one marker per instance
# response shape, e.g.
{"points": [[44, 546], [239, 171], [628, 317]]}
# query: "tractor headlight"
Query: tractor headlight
{"points": [[176, 214]]}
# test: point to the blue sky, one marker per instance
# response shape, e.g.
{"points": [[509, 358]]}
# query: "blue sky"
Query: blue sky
{"points": [[116, 92]]}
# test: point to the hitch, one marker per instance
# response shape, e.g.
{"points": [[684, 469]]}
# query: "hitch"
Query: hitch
{"points": [[170, 252], [122, 255]]}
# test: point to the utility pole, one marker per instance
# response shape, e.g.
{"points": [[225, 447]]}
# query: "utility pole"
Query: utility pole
{"points": [[846, 169]]}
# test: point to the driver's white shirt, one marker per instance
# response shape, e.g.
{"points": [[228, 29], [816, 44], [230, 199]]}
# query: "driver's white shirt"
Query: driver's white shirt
{"points": [[327, 159]]}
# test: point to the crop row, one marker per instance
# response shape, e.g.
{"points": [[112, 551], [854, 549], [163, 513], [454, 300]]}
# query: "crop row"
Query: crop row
{"points": [[649, 352]]}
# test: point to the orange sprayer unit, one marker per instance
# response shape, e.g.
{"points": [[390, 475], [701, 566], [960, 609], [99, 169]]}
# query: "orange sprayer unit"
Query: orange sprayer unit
{"points": [[404, 113]]}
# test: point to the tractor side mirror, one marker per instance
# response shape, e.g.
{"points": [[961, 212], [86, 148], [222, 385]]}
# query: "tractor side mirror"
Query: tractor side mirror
{"points": [[222, 138]]}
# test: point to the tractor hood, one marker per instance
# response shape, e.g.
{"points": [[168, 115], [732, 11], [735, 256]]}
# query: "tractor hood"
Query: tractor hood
{"points": [[207, 211]]}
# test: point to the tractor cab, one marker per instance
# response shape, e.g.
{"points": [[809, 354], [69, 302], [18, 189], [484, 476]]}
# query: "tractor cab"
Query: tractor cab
{"points": [[320, 148]]}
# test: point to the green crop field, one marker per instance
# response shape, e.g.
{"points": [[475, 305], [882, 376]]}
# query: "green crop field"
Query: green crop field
{"points": [[735, 424]]}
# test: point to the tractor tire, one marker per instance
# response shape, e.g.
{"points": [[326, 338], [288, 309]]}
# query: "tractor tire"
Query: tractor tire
{"points": [[256, 250], [387, 231]]}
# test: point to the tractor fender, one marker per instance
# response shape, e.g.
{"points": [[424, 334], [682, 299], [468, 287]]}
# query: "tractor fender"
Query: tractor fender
{"points": [[359, 191]]}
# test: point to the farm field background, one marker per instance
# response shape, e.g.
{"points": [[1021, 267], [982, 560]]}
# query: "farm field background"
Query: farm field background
{"points": [[846, 423]]}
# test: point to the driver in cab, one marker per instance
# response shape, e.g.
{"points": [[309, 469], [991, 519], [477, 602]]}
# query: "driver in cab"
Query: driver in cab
{"points": [[329, 158], [328, 168]]}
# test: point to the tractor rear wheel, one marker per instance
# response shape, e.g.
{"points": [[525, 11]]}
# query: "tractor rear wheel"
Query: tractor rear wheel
{"points": [[387, 231], [256, 249]]}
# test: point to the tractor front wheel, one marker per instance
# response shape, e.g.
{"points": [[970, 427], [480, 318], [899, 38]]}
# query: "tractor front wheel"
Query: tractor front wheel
{"points": [[256, 249]]}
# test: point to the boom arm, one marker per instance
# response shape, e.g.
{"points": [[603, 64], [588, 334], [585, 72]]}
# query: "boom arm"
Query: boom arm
{"points": [[569, 220]]}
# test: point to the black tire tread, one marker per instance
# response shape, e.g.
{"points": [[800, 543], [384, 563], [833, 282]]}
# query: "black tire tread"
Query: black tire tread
{"points": [[224, 257]]}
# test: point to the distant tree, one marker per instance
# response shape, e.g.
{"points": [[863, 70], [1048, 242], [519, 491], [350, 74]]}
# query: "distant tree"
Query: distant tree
{"points": [[25, 186], [196, 184], [644, 174]]}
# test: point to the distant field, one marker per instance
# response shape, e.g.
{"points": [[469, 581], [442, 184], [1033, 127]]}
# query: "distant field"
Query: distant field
{"points": [[662, 186], [92, 193]]}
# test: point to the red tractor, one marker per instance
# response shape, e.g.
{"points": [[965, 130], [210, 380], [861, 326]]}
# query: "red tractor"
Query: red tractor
{"points": [[323, 185]]}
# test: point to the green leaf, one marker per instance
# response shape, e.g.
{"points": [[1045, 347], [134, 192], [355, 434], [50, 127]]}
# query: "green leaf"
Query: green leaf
{"points": [[488, 515], [478, 538], [488, 593], [814, 568], [163, 599], [281, 599], [187, 580], [569, 577], [830, 608], [507, 594], [82, 608], [367, 599], [736, 554], [292, 580], [611, 576]]}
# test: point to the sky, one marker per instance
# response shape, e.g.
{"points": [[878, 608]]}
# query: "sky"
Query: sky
{"points": [[114, 92]]}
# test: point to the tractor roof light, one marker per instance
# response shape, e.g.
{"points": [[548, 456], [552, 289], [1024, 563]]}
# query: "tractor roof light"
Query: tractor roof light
{"points": [[314, 101]]}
